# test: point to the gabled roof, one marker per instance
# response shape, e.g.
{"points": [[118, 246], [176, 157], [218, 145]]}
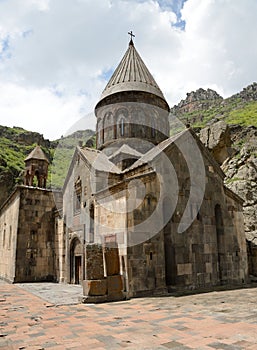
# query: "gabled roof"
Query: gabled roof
{"points": [[38, 154], [155, 151], [132, 74], [98, 160], [127, 150], [92, 158]]}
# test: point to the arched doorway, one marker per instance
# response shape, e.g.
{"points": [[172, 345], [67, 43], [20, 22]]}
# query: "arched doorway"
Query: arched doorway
{"points": [[76, 262]]}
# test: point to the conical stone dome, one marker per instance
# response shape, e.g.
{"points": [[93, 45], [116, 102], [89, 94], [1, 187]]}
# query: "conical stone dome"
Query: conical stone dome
{"points": [[132, 75]]}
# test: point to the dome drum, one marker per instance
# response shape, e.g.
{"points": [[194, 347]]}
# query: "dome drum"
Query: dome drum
{"points": [[131, 120]]}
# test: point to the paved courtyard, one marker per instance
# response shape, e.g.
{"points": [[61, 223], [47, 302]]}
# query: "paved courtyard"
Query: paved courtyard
{"points": [[47, 316]]}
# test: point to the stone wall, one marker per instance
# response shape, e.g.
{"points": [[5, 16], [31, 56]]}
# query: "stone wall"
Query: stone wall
{"points": [[78, 200], [9, 215], [110, 214], [27, 225], [145, 252], [79, 210], [212, 250], [239, 246], [35, 258]]}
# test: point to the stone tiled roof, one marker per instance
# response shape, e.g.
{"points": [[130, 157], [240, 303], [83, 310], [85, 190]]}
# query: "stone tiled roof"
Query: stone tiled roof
{"points": [[38, 154], [99, 161], [125, 149], [132, 74], [155, 151]]}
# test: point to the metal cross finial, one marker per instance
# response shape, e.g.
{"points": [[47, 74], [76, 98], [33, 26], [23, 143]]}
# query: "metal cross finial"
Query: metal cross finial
{"points": [[131, 36]]}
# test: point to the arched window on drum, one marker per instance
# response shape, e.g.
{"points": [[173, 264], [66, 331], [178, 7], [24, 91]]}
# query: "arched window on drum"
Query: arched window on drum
{"points": [[122, 122], [109, 126]]}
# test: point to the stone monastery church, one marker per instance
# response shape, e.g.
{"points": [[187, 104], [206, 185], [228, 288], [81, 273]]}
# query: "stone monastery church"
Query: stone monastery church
{"points": [[144, 213]]}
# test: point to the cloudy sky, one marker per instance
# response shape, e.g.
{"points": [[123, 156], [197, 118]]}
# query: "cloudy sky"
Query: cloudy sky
{"points": [[56, 56]]}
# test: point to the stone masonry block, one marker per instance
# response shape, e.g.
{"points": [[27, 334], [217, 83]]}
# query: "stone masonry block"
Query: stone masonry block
{"points": [[112, 260], [94, 262], [184, 269], [95, 287], [114, 284]]}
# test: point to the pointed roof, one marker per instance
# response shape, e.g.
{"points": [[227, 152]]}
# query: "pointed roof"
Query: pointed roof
{"points": [[132, 74], [38, 154]]}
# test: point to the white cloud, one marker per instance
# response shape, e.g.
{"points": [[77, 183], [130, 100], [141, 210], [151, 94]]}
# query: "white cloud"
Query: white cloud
{"points": [[39, 109], [55, 54], [220, 36]]}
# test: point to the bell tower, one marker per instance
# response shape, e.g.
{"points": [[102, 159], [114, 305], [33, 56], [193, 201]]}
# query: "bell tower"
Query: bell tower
{"points": [[36, 168], [132, 109]]}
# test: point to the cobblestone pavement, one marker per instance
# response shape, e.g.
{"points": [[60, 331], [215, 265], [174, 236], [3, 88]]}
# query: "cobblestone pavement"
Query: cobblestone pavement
{"points": [[217, 320], [54, 293]]}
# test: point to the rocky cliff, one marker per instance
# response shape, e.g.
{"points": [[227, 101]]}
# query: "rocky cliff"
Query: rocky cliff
{"points": [[203, 107], [198, 100]]}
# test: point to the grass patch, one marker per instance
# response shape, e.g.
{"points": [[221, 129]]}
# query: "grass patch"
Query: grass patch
{"points": [[245, 116]]}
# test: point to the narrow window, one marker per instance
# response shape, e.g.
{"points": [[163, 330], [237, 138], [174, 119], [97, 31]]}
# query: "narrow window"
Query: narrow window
{"points": [[4, 239], [10, 237], [122, 127], [77, 204], [77, 195]]}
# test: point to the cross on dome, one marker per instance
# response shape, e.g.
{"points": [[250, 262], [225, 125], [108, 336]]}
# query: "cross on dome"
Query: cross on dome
{"points": [[131, 37]]}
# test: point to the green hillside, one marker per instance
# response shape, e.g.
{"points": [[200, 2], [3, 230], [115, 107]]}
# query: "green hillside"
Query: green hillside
{"points": [[232, 112], [62, 155], [15, 145], [245, 115]]}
